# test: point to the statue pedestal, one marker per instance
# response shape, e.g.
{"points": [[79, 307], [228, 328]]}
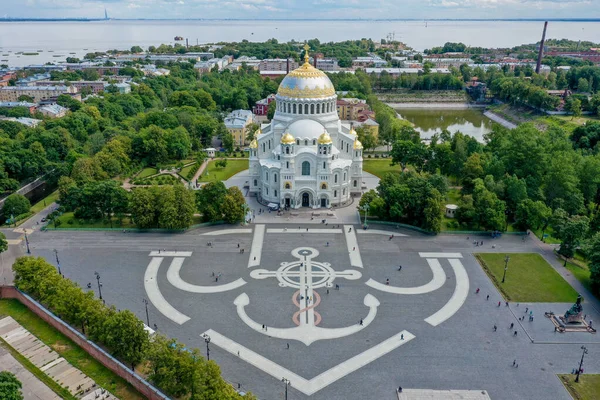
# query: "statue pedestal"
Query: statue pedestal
{"points": [[571, 323]]}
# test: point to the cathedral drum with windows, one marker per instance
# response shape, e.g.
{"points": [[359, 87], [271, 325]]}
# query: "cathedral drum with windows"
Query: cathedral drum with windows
{"points": [[305, 157]]}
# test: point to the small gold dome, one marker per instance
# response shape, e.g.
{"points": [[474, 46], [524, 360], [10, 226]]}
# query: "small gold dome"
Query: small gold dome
{"points": [[357, 144], [352, 131], [254, 144], [258, 132], [324, 138], [287, 139]]}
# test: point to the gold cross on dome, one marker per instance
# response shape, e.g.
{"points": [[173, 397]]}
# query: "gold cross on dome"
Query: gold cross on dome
{"points": [[306, 48]]}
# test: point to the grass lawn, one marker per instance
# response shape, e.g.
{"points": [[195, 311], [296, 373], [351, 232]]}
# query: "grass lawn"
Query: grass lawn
{"points": [[146, 172], [453, 196], [40, 205], [69, 350], [380, 167], [549, 239], [587, 388], [222, 174], [77, 223], [582, 273], [186, 170], [529, 278]]}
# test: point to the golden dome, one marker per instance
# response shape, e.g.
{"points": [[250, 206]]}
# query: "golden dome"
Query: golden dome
{"points": [[254, 144], [357, 144], [287, 139], [306, 81], [258, 132], [352, 131], [324, 138]]}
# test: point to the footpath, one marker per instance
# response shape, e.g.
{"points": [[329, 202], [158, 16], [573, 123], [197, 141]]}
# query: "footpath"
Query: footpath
{"points": [[50, 362]]}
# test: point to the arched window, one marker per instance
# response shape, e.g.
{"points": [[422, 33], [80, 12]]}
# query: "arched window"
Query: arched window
{"points": [[267, 176], [314, 142], [287, 150], [324, 186], [263, 147], [294, 108], [275, 192], [305, 168], [298, 142], [305, 142], [324, 165], [288, 186], [355, 183], [335, 178], [335, 193], [287, 164], [312, 108], [344, 176], [255, 182], [267, 191], [275, 179]]}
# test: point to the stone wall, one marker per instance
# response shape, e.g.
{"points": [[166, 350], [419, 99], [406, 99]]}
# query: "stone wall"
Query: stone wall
{"points": [[139, 383]]}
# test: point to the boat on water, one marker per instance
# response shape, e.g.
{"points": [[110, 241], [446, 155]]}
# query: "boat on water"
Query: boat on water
{"points": [[178, 38]]}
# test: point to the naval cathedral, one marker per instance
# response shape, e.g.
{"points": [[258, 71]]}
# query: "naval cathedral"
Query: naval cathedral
{"points": [[305, 157]]}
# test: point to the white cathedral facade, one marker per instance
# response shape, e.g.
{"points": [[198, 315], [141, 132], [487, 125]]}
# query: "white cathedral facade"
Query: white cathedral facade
{"points": [[305, 157]]}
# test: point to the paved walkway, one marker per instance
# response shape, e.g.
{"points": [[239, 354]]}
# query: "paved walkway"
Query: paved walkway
{"points": [[427, 394], [50, 362], [547, 251], [33, 388]]}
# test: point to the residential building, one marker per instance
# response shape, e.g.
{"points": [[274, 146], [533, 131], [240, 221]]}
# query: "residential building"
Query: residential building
{"points": [[6, 77], [370, 61], [446, 62], [277, 64], [327, 64], [262, 106], [152, 70], [12, 104], [305, 158], [395, 72], [31, 80], [53, 111], [38, 93], [349, 108], [206, 66], [272, 74], [369, 123], [29, 122], [123, 88], [236, 123], [94, 86]]}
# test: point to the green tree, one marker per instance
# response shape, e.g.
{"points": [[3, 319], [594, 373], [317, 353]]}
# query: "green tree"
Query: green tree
{"points": [[126, 337], [142, 206], [185, 206], [406, 152], [251, 131], [209, 200], [26, 98], [532, 214], [592, 250], [271, 110], [16, 204], [233, 205], [432, 211], [366, 137], [583, 85], [488, 208], [10, 386], [226, 140], [574, 107], [571, 234], [136, 49]]}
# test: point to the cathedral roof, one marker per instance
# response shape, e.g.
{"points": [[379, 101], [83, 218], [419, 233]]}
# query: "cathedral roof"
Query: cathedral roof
{"points": [[306, 82], [324, 138], [287, 139], [305, 129]]}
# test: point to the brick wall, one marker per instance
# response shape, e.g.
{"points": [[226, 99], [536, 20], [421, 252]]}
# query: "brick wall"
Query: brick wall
{"points": [[142, 386]]}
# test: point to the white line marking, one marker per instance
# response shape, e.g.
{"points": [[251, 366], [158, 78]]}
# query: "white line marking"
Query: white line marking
{"points": [[352, 243], [440, 255], [257, 244], [309, 230], [439, 277], [156, 297], [309, 387], [227, 232], [458, 297], [174, 278], [379, 232], [307, 332], [11, 242], [170, 254]]}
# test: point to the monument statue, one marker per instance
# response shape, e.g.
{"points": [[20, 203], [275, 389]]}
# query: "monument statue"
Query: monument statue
{"points": [[574, 314]]}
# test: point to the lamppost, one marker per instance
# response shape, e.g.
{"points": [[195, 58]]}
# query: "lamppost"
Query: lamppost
{"points": [[585, 351], [207, 341], [99, 284], [147, 315], [27, 243], [287, 383], [365, 208], [57, 261], [506, 259]]}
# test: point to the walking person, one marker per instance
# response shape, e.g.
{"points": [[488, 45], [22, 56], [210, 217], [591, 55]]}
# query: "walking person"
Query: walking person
{"points": [[514, 362], [495, 328], [488, 297]]}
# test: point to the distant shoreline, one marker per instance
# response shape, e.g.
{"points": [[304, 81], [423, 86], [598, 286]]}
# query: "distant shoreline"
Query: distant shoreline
{"points": [[303, 19]]}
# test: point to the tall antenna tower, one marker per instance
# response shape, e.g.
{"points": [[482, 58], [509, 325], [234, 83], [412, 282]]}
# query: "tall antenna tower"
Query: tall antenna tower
{"points": [[541, 53]]}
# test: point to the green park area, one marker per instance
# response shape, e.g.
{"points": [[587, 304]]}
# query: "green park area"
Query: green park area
{"points": [[380, 167], [529, 278], [587, 388], [68, 220], [223, 173], [68, 350], [146, 172], [40, 205], [188, 172]]}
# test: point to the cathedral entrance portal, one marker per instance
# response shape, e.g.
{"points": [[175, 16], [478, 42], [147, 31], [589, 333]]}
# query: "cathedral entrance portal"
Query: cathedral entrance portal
{"points": [[324, 202], [305, 200], [287, 202]]}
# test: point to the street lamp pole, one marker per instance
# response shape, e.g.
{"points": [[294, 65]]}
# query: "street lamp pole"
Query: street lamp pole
{"points": [[57, 261], [147, 315], [585, 351], [27, 243], [99, 284], [207, 341], [287, 383], [506, 259]]}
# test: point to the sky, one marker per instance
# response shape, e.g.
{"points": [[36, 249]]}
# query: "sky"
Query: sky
{"points": [[302, 9]]}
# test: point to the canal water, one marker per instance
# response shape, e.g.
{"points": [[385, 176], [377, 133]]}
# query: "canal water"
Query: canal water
{"points": [[428, 122]]}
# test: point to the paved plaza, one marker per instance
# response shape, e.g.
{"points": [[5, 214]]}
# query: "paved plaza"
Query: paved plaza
{"points": [[312, 303]]}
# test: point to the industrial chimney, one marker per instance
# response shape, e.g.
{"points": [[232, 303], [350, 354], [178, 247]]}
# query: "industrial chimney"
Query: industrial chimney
{"points": [[541, 53]]}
